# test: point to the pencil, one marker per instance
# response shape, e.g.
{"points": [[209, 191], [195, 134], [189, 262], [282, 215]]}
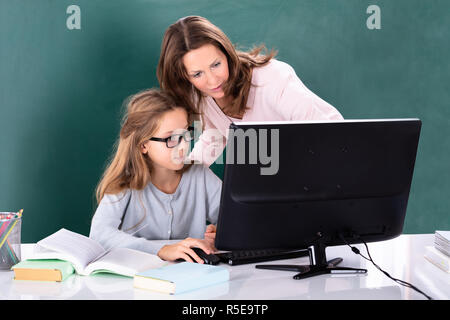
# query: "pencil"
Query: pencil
{"points": [[7, 234]]}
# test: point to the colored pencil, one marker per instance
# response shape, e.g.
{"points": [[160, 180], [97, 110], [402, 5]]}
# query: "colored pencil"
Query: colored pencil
{"points": [[7, 233]]}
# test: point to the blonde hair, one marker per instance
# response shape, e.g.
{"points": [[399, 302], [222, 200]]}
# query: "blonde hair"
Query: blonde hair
{"points": [[129, 168], [191, 33]]}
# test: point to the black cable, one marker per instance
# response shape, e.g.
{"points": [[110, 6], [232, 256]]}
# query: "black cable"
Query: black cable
{"points": [[401, 282]]}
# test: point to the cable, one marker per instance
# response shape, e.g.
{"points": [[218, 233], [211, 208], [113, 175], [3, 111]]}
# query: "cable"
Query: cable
{"points": [[401, 282]]}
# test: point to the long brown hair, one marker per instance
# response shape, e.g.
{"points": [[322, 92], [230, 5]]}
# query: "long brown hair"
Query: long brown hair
{"points": [[129, 167], [191, 33]]}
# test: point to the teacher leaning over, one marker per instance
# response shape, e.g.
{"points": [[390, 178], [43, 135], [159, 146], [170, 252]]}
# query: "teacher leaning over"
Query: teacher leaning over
{"points": [[202, 69]]}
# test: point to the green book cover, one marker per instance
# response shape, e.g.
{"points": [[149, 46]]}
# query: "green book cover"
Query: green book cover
{"points": [[64, 267]]}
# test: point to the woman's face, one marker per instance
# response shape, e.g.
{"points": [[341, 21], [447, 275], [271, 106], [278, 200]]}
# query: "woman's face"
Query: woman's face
{"points": [[207, 69]]}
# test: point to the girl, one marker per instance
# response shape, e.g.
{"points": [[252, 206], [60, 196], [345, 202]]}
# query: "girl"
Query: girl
{"points": [[147, 195], [200, 66]]}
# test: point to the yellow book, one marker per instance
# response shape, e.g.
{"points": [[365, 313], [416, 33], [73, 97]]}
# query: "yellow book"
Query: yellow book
{"points": [[43, 270]]}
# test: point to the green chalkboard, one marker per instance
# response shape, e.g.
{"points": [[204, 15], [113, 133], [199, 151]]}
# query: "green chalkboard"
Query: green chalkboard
{"points": [[63, 82]]}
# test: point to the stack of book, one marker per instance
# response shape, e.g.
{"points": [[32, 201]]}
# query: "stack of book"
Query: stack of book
{"points": [[439, 254]]}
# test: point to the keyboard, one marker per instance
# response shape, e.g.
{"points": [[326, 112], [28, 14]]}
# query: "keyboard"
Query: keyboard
{"points": [[252, 256]]}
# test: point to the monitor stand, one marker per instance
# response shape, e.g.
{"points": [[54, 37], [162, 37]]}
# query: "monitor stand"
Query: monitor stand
{"points": [[318, 264]]}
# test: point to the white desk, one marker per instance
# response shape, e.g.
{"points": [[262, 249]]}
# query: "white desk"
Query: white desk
{"points": [[401, 257]]}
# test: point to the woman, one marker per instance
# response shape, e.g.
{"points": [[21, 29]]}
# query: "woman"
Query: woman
{"points": [[202, 69]]}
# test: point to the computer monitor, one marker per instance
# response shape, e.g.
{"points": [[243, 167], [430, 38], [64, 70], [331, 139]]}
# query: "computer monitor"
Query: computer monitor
{"points": [[315, 184]]}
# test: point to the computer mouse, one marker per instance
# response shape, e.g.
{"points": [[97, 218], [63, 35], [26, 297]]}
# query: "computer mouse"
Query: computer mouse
{"points": [[207, 258]]}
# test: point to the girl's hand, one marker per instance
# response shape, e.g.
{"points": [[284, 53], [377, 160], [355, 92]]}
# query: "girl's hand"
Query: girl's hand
{"points": [[210, 233], [182, 250]]}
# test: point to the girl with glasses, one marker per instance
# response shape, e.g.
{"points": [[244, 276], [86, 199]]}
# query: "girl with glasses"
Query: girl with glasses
{"points": [[149, 198]]}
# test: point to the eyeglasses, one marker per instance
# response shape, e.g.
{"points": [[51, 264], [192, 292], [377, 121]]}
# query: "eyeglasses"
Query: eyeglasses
{"points": [[175, 139]]}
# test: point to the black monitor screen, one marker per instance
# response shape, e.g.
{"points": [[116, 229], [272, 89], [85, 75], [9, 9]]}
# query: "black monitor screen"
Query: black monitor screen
{"points": [[285, 183]]}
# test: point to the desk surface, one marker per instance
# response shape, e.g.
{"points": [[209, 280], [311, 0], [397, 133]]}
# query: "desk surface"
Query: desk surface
{"points": [[401, 257]]}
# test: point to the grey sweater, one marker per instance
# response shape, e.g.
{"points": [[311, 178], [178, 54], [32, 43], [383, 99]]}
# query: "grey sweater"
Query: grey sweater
{"points": [[148, 219]]}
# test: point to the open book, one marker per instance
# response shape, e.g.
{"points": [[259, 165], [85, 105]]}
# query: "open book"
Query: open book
{"points": [[88, 257]]}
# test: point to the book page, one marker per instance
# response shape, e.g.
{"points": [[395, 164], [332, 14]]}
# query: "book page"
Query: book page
{"points": [[76, 248], [445, 235], [126, 262], [41, 253]]}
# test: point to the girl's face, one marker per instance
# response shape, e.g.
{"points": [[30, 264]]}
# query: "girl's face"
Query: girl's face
{"points": [[171, 123], [207, 69]]}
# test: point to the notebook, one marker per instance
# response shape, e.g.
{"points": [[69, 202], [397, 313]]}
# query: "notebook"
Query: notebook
{"points": [[180, 277]]}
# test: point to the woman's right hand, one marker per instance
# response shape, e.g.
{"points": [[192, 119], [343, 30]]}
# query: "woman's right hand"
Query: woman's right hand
{"points": [[182, 250]]}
